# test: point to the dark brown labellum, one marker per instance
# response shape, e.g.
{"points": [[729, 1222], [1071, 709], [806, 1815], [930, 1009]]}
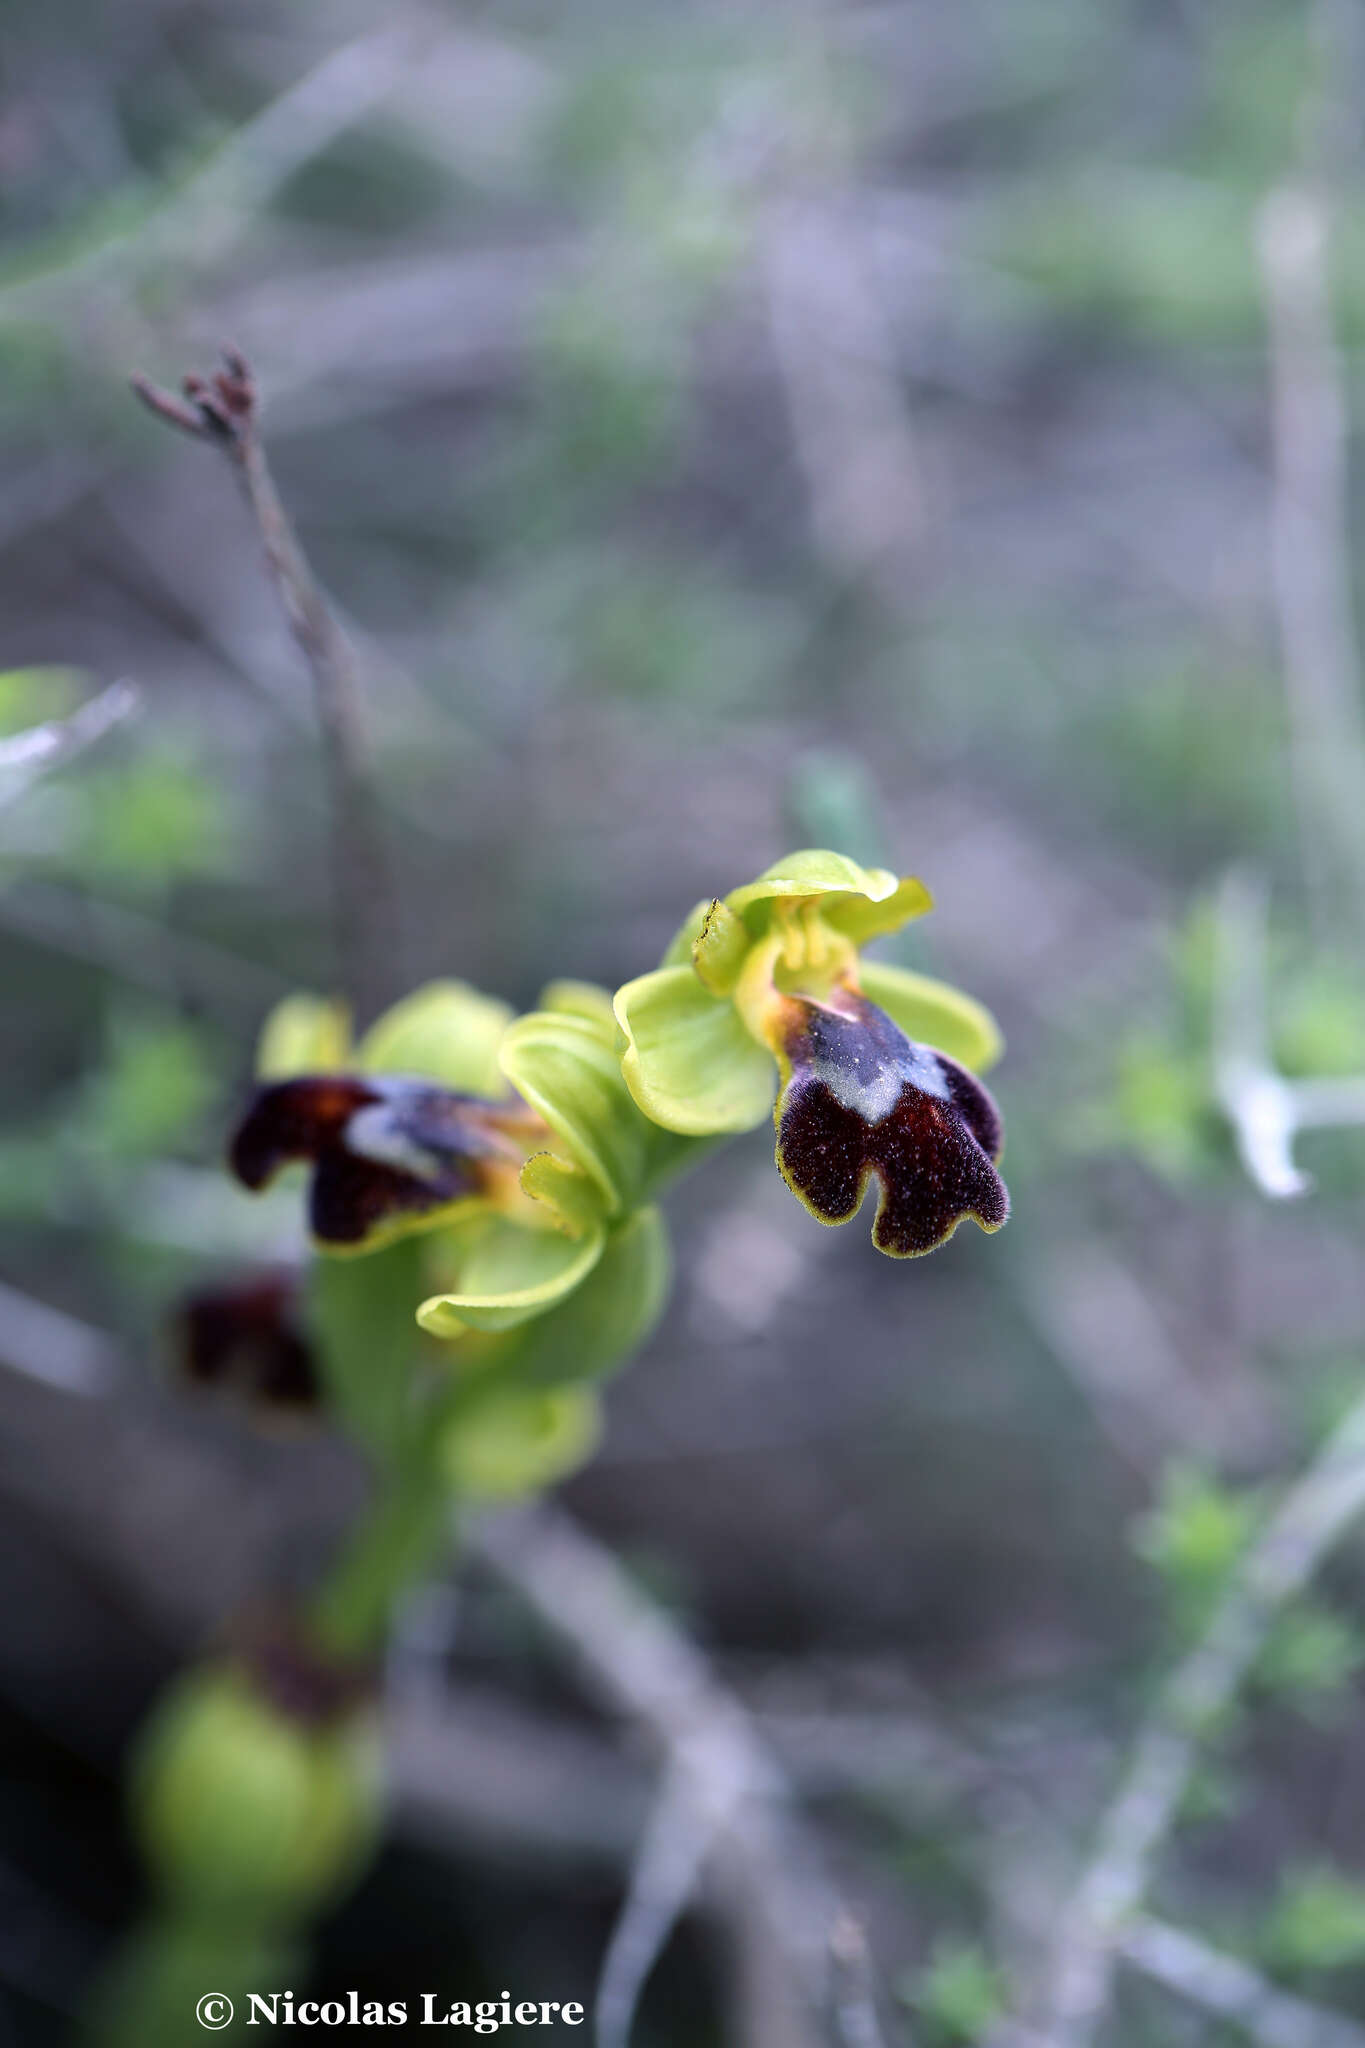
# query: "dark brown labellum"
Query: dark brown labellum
{"points": [[248, 1339], [863, 1099], [384, 1147]]}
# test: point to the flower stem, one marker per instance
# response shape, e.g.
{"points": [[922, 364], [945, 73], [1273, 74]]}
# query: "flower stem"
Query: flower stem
{"points": [[403, 1532]]}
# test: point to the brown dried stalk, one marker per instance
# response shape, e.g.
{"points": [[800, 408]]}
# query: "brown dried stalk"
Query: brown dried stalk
{"points": [[224, 411]]}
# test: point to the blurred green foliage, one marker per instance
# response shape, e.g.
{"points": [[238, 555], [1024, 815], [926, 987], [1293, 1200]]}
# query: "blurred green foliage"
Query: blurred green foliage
{"points": [[1317, 1921], [1310, 1659], [152, 1089], [1193, 1535], [959, 1994]]}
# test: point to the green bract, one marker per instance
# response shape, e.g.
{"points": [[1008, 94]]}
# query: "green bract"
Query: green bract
{"points": [[592, 1327], [518, 1443]]}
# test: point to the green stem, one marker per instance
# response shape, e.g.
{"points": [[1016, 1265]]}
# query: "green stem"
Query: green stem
{"points": [[400, 1535]]}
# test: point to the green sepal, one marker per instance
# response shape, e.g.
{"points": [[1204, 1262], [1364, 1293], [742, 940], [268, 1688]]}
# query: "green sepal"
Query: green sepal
{"points": [[812, 872], [861, 919], [508, 1273], [689, 1062], [603, 1322], [446, 1031], [512, 1444], [561, 1066], [583, 999], [678, 952], [720, 947], [304, 1035], [359, 1312], [934, 1013]]}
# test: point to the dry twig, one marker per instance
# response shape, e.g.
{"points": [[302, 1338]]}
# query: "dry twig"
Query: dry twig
{"points": [[1310, 547], [53, 1348], [201, 219], [647, 1669], [1233, 1991], [25, 756], [224, 411], [664, 1876], [1313, 1516], [1266, 1111]]}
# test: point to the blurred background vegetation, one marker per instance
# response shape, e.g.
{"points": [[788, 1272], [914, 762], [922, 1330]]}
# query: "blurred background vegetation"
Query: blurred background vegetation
{"points": [[724, 428]]}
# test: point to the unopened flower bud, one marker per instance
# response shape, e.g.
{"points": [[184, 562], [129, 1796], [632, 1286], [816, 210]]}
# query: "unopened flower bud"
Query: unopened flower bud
{"points": [[255, 1801]]}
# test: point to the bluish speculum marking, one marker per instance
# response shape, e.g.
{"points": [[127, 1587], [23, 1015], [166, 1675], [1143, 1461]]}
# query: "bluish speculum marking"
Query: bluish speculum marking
{"points": [[864, 1059]]}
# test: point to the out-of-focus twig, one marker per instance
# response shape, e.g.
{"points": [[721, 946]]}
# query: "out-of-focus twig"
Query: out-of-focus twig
{"points": [[1103, 1326], [647, 1669], [1266, 1110], [134, 947], [58, 1350], [850, 422], [1313, 1516], [225, 412], [198, 223], [664, 1877], [1310, 547], [25, 756], [1232, 1990]]}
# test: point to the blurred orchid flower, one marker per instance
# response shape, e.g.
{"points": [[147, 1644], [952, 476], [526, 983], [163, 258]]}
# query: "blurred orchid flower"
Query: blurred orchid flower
{"points": [[511, 1146]]}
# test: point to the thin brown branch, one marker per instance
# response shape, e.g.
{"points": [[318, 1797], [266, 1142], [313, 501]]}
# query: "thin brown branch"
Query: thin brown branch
{"points": [[224, 411]]}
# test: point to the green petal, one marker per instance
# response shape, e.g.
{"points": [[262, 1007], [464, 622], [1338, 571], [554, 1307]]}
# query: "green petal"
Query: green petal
{"points": [[515, 1444], [935, 1013], [304, 1035], [689, 1062], [582, 999], [565, 1188], [720, 949], [814, 872], [448, 1031], [860, 919], [507, 1273], [678, 952], [560, 1065], [606, 1320]]}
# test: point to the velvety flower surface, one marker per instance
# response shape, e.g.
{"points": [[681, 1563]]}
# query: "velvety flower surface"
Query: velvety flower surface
{"points": [[385, 1149], [861, 1100], [767, 985]]}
